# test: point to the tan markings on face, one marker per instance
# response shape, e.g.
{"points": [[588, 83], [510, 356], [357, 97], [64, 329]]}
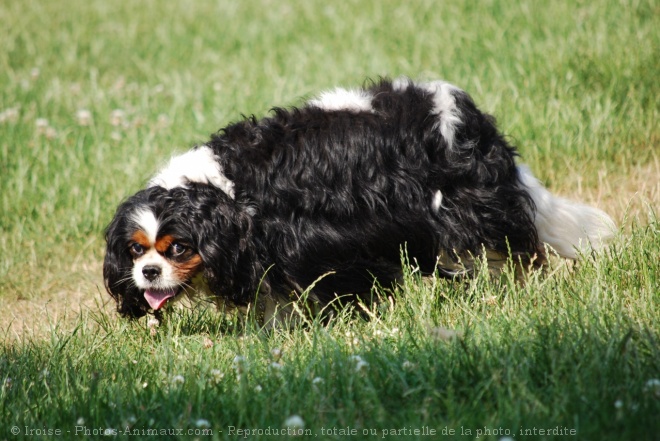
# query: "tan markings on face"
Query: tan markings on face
{"points": [[163, 243], [186, 270], [141, 238]]}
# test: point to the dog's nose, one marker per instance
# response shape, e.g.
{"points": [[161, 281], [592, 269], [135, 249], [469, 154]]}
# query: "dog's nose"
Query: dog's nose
{"points": [[151, 272]]}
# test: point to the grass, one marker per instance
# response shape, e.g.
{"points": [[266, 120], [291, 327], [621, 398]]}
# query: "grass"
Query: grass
{"points": [[94, 96]]}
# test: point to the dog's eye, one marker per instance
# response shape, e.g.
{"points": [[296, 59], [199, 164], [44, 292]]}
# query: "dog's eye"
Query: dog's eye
{"points": [[176, 249], [136, 250]]}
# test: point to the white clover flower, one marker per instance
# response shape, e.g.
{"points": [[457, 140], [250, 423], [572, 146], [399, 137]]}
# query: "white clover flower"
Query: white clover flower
{"points": [[10, 115], [217, 375], [117, 117], [178, 379], [84, 117], [360, 364], [294, 422], [42, 125], [407, 365], [202, 424], [652, 386]]}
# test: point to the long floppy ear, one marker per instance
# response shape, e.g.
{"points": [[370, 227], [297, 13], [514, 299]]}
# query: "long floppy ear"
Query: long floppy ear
{"points": [[117, 267], [225, 242]]}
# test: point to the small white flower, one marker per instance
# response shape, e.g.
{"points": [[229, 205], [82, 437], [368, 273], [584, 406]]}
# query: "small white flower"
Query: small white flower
{"points": [[80, 421], [276, 353], [258, 388], [317, 380], [117, 117], [360, 364], [217, 374], [408, 366], [652, 386], [134, 361], [178, 379], [10, 115], [294, 422], [42, 125], [618, 404], [202, 424], [84, 117], [50, 133], [144, 385], [153, 323]]}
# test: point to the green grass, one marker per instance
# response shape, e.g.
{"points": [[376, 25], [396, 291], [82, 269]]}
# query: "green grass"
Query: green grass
{"points": [[94, 96]]}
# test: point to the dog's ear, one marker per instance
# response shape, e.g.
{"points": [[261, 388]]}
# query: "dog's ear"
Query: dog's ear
{"points": [[225, 243], [117, 269]]}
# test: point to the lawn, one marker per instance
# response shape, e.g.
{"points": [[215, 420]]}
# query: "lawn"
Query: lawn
{"points": [[96, 95]]}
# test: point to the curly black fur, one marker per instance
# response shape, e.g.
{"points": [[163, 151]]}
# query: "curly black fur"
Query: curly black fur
{"points": [[319, 191]]}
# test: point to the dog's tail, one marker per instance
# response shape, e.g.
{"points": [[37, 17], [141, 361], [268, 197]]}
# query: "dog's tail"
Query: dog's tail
{"points": [[567, 227]]}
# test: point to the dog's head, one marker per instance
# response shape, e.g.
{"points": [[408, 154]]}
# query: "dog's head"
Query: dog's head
{"points": [[160, 240]]}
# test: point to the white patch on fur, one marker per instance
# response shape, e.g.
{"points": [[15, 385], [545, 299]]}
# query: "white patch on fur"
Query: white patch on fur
{"points": [[166, 280], [196, 165], [444, 108], [567, 227], [148, 223], [343, 99], [437, 201]]}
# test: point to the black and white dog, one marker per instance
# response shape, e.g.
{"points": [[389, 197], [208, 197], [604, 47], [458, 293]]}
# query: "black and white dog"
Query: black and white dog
{"points": [[329, 194]]}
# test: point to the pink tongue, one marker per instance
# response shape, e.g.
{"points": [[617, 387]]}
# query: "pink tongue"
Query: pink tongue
{"points": [[158, 297]]}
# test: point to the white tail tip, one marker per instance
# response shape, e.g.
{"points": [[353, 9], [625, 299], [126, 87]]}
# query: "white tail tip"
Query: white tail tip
{"points": [[568, 227]]}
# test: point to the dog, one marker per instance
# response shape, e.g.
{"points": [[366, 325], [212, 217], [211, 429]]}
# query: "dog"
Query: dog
{"points": [[321, 199]]}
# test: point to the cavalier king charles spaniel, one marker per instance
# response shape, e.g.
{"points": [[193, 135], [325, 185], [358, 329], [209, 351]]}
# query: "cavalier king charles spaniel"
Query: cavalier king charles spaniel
{"points": [[319, 201]]}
